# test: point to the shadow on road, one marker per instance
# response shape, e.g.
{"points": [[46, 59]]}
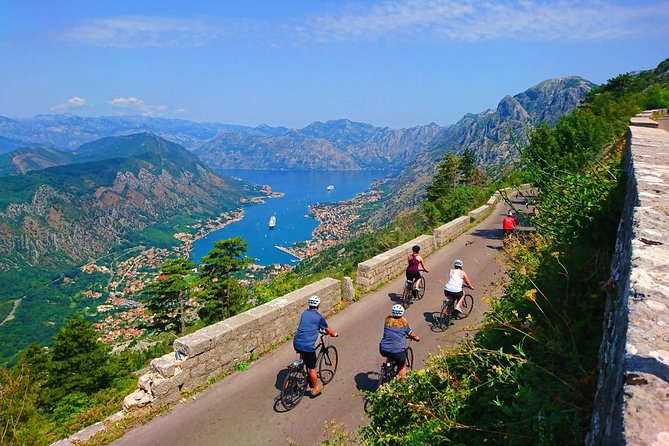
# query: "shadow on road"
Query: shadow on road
{"points": [[364, 381], [396, 298], [279, 378], [488, 233]]}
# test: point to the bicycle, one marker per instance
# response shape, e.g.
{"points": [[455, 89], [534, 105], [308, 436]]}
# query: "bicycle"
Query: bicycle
{"points": [[443, 321], [389, 370], [296, 381], [413, 291]]}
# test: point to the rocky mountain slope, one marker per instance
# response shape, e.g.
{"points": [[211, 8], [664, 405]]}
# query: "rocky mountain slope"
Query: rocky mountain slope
{"points": [[488, 135], [332, 145], [71, 212]]}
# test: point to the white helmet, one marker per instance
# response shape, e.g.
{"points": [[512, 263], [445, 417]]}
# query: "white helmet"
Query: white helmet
{"points": [[397, 310], [458, 263], [314, 301]]}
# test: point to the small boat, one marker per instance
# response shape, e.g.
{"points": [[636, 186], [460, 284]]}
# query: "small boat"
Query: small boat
{"points": [[272, 221], [331, 187]]}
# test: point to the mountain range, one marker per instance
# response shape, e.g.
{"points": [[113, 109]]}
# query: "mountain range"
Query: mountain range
{"points": [[117, 185], [490, 135], [73, 188]]}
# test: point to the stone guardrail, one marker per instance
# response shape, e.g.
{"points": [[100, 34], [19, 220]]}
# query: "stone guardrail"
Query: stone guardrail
{"points": [[632, 397], [389, 264], [217, 348]]}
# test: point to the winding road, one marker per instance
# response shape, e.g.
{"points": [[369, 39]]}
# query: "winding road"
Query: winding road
{"points": [[243, 408]]}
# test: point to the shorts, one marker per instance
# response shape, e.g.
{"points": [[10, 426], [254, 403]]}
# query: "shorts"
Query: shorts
{"points": [[309, 358], [413, 275], [454, 295], [507, 232], [398, 359]]}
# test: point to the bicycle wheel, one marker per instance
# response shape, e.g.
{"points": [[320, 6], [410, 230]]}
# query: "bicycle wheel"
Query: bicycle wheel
{"points": [[444, 319], [293, 388], [409, 362], [467, 306], [406, 294], [328, 359], [421, 289]]}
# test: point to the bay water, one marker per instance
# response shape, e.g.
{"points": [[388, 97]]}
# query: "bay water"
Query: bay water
{"points": [[293, 220]]}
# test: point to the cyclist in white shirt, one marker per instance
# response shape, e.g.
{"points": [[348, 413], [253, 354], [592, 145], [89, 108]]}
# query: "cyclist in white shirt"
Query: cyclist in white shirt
{"points": [[453, 288]]}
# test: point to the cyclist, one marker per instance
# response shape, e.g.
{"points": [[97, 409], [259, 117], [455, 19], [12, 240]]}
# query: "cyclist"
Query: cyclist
{"points": [[508, 224], [304, 342], [453, 288], [395, 330], [416, 262]]}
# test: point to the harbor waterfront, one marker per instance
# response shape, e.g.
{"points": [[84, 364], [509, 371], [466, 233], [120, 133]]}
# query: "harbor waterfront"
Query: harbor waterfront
{"points": [[294, 219]]}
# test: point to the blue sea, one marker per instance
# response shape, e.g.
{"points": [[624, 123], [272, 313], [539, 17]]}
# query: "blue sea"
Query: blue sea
{"points": [[300, 189]]}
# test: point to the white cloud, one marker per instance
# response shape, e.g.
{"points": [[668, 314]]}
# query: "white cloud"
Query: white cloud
{"points": [[476, 20], [135, 105], [73, 102], [142, 32]]}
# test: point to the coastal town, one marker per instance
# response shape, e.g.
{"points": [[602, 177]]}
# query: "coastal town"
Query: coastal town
{"points": [[337, 222], [116, 304]]}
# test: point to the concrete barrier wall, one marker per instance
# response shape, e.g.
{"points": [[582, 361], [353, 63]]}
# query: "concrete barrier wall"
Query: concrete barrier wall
{"points": [[389, 264], [218, 347], [632, 397]]}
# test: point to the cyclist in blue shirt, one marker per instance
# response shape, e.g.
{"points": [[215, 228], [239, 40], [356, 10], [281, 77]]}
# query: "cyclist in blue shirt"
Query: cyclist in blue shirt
{"points": [[395, 331], [311, 322]]}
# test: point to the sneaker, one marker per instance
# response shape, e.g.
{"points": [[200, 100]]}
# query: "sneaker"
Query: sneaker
{"points": [[415, 293], [317, 391], [455, 314]]}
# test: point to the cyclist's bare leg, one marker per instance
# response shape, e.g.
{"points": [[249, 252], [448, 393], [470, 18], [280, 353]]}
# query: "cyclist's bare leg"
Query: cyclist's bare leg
{"points": [[313, 379], [458, 303], [403, 372]]}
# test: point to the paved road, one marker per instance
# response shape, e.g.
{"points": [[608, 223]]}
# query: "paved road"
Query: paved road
{"points": [[243, 409]]}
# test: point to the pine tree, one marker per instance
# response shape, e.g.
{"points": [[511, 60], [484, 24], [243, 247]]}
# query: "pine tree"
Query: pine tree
{"points": [[78, 362], [446, 178], [222, 296], [466, 166], [168, 296]]}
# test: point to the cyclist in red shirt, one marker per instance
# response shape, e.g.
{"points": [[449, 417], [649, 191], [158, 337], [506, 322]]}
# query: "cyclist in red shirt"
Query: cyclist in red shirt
{"points": [[508, 225]]}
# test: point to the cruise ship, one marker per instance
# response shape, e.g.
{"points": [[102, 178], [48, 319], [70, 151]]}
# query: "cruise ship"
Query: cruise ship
{"points": [[272, 221]]}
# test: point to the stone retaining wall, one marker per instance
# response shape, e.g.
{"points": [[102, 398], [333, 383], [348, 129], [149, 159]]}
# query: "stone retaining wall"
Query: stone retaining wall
{"points": [[385, 266], [389, 264], [445, 233], [632, 398], [218, 347]]}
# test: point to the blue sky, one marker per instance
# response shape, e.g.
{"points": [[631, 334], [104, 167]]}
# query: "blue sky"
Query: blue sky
{"points": [[396, 63]]}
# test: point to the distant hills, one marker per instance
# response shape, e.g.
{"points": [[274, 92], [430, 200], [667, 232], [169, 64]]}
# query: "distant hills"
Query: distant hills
{"points": [[333, 145], [119, 185], [24, 159]]}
